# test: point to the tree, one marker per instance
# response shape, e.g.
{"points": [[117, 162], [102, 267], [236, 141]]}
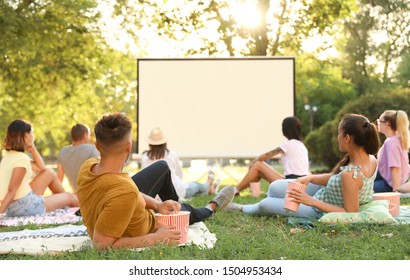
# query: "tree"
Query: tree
{"points": [[218, 30], [403, 70], [320, 84], [57, 69], [377, 37], [322, 144]]}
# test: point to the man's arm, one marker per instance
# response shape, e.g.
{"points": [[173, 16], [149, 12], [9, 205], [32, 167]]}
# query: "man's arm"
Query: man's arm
{"points": [[165, 207], [60, 172], [151, 203], [167, 235]]}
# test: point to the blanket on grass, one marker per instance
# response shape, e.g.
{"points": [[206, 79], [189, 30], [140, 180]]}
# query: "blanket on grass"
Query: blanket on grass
{"points": [[69, 238], [403, 218], [59, 216]]}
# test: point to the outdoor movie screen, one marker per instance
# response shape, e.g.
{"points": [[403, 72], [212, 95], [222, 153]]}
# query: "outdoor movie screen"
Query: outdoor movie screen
{"points": [[215, 107]]}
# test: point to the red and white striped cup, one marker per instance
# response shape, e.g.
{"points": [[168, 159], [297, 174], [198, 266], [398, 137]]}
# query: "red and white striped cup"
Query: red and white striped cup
{"points": [[180, 220], [289, 203], [255, 188]]}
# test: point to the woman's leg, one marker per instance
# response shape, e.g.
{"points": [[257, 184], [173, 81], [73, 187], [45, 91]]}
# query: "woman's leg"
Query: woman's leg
{"points": [[191, 190], [195, 188], [156, 180], [259, 170], [405, 188], [60, 200], [273, 205], [280, 187], [46, 178]]}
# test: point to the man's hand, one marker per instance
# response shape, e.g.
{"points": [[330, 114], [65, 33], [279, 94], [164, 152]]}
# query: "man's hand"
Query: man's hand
{"points": [[168, 235], [169, 207]]}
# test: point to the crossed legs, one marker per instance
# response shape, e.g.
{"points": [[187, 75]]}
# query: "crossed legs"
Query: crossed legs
{"points": [[156, 180], [257, 171]]}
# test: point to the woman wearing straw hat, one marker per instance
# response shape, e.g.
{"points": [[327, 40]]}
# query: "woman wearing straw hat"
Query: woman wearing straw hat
{"points": [[158, 151]]}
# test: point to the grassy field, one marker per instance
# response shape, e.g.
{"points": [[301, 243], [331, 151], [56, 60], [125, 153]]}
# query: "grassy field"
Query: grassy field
{"points": [[248, 237]]}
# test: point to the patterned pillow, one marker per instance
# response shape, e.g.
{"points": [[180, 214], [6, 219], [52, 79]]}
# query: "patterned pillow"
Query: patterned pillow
{"points": [[374, 212]]}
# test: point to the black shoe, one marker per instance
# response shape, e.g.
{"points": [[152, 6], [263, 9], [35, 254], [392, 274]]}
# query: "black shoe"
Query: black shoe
{"points": [[78, 213]]}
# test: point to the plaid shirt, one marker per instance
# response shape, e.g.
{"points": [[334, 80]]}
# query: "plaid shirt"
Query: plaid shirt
{"points": [[332, 193]]}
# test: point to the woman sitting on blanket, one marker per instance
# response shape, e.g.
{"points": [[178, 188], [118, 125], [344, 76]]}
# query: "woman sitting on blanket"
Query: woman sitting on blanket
{"points": [[18, 197], [393, 158], [292, 152], [344, 190]]}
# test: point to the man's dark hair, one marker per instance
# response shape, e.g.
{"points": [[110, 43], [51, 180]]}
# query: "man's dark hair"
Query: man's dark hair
{"points": [[79, 131], [111, 128]]}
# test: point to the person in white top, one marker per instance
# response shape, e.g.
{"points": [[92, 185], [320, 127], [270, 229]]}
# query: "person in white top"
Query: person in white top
{"points": [[158, 151], [293, 154]]}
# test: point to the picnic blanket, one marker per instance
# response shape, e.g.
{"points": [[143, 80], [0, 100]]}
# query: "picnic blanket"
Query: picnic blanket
{"points": [[69, 238], [59, 216], [403, 218]]}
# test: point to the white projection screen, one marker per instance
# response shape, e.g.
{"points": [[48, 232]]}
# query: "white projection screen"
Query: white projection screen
{"points": [[215, 107]]}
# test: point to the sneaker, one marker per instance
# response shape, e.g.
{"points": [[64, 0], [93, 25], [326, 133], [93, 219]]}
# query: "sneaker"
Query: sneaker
{"points": [[233, 207], [224, 197]]}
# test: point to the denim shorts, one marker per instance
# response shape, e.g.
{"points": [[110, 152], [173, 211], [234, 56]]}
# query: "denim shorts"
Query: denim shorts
{"points": [[29, 205]]}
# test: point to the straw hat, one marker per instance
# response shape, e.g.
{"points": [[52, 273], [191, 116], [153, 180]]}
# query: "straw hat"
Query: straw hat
{"points": [[156, 137]]}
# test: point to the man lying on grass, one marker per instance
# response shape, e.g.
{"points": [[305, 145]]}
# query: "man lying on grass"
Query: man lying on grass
{"points": [[118, 210]]}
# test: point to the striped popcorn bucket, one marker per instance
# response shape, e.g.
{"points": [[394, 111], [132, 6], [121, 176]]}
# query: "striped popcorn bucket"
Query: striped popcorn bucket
{"points": [[394, 201], [180, 220]]}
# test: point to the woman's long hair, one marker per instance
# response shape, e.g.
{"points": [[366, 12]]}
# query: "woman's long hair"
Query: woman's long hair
{"points": [[157, 151], [399, 122], [292, 128]]}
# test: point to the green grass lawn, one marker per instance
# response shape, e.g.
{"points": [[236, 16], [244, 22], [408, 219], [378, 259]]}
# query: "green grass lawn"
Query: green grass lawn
{"points": [[249, 237]]}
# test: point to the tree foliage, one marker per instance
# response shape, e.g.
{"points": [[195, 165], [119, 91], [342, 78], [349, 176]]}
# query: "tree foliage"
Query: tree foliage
{"points": [[377, 39], [320, 83], [59, 64], [56, 68], [322, 144]]}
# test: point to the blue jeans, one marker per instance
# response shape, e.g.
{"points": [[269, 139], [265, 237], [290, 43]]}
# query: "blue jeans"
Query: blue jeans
{"points": [[274, 202], [29, 205], [156, 180], [381, 185], [195, 188]]}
